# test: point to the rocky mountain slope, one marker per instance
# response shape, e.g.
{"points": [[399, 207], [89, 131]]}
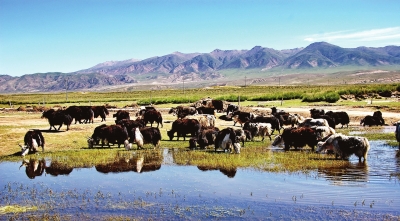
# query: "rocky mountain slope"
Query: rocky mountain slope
{"points": [[201, 67]]}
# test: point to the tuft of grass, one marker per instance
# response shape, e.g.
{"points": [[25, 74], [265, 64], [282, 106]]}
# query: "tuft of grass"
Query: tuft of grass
{"points": [[17, 209]]}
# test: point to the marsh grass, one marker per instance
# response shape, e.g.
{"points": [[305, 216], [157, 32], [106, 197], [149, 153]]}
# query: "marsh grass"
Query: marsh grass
{"points": [[260, 158], [16, 209]]}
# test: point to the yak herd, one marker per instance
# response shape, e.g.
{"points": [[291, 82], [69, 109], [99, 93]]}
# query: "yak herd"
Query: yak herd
{"points": [[198, 120]]}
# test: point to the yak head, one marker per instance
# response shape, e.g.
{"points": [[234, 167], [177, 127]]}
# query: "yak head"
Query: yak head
{"points": [[192, 143], [278, 140], [90, 142], [127, 145], [24, 149], [236, 147], [320, 147], [172, 111]]}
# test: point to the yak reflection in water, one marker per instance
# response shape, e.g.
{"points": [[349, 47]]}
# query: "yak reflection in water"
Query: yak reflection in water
{"points": [[139, 164], [35, 167], [231, 172], [355, 172]]}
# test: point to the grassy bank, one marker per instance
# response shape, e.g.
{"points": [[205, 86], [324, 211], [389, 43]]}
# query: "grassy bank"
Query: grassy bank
{"points": [[305, 93]]}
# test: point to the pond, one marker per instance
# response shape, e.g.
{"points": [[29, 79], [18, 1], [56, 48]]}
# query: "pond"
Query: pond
{"points": [[154, 187]]}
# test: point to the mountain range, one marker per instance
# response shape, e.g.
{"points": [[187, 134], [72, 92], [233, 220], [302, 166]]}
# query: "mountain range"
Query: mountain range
{"points": [[204, 67]]}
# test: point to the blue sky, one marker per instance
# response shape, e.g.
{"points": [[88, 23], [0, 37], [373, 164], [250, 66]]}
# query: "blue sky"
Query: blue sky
{"points": [[70, 35]]}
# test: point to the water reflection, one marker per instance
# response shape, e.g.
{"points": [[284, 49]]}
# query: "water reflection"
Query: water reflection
{"points": [[231, 172], [362, 130], [136, 163], [56, 168], [33, 167], [348, 172]]}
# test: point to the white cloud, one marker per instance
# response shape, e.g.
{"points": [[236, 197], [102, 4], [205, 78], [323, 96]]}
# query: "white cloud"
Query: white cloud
{"points": [[383, 34]]}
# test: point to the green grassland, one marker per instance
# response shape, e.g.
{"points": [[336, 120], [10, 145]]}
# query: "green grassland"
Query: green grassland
{"points": [[70, 147], [308, 93]]}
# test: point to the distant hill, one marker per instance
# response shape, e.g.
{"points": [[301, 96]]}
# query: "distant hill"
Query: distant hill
{"points": [[206, 68]]}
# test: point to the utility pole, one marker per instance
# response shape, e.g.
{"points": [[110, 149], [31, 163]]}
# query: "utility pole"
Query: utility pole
{"points": [[183, 80], [279, 81]]}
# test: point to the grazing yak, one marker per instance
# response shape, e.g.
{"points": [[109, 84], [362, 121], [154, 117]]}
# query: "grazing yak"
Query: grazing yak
{"points": [[315, 113], [323, 132], [121, 114], [240, 117], [146, 135], [207, 121], [227, 140], [114, 134], [183, 111], [143, 110], [100, 111], [57, 117], [231, 108], [32, 140], [280, 114], [344, 146], [274, 111], [378, 115], [183, 127], [371, 121], [297, 137], [289, 119], [329, 119], [80, 113], [309, 122], [130, 124], [205, 137], [340, 117], [241, 136], [216, 104], [153, 116], [259, 129], [275, 124], [206, 110]]}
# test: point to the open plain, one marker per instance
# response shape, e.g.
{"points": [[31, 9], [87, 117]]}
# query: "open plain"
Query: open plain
{"points": [[173, 182]]}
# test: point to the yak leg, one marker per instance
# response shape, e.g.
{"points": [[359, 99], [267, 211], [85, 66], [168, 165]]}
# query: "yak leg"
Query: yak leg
{"points": [[59, 127]]}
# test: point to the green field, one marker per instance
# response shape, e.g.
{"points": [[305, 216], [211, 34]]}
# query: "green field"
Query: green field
{"points": [[327, 94]]}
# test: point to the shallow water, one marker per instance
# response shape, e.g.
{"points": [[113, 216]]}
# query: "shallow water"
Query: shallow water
{"points": [[158, 188]]}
